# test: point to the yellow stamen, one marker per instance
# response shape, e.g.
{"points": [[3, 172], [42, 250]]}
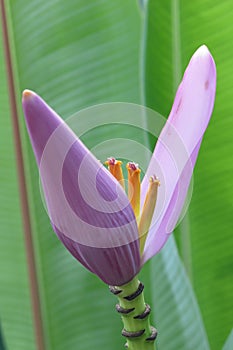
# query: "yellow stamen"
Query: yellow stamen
{"points": [[134, 187], [148, 211], [114, 166]]}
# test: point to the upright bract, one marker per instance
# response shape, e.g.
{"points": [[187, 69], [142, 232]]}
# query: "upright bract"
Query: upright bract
{"points": [[176, 151], [88, 209]]}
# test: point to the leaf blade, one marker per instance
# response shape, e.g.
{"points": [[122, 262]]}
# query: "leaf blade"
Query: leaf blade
{"points": [[107, 70], [176, 312], [204, 250], [229, 342]]}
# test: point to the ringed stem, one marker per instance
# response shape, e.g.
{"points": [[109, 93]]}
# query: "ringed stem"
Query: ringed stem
{"points": [[140, 335]]}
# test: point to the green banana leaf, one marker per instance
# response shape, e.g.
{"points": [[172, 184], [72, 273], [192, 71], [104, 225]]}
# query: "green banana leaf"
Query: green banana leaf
{"points": [[76, 55], [15, 303], [173, 31], [172, 294], [229, 342], [2, 347]]}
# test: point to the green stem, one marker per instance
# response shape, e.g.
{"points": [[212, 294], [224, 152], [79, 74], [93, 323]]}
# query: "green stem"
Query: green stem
{"points": [[135, 316]]}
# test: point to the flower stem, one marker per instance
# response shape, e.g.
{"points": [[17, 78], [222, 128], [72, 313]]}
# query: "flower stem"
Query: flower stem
{"points": [[135, 316]]}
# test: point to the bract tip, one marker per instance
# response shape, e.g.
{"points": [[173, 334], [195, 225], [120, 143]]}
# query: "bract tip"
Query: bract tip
{"points": [[27, 94], [202, 52]]}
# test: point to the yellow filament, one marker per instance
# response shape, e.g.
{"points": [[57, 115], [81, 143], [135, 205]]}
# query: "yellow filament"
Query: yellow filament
{"points": [[148, 211], [114, 166], [134, 187]]}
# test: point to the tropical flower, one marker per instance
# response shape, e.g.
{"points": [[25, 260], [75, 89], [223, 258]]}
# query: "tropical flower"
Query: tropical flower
{"points": [[108, 233]]}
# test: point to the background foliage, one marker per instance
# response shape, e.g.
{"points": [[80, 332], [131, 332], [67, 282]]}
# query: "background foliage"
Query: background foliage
{"points": [[77, 54]]}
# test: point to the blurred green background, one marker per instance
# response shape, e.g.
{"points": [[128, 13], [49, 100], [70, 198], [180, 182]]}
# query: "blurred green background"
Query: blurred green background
{"points": [[76, 54]]}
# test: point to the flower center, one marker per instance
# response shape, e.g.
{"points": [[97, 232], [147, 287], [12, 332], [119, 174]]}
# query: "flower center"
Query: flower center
{"points": [[144, 217]]}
